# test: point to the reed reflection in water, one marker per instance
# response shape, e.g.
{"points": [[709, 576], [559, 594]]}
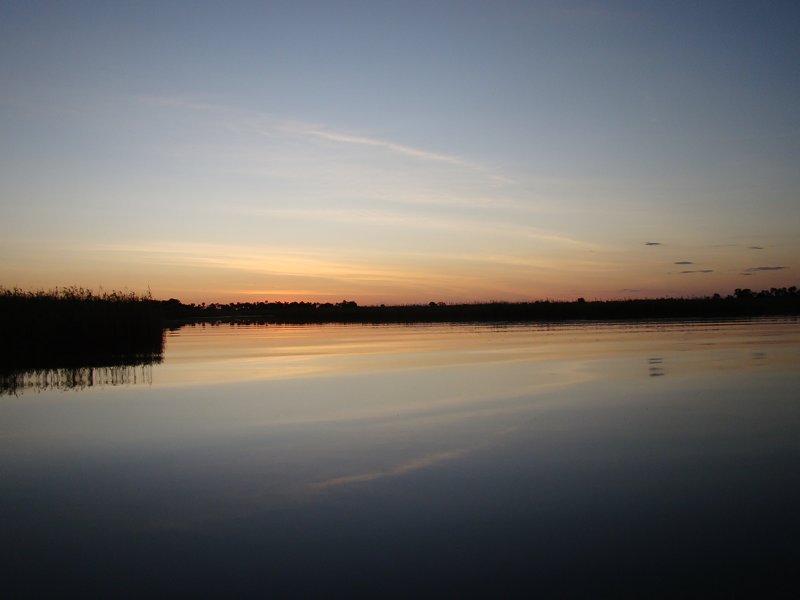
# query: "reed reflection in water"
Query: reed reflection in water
{"points": [[78, 378]]}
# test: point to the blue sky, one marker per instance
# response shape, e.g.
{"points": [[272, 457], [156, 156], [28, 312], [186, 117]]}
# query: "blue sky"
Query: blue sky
{"points": [[400, 152]]}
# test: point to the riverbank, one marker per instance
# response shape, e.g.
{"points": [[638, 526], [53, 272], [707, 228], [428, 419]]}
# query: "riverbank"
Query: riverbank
{"points": [[744, 303], [74, 327]]}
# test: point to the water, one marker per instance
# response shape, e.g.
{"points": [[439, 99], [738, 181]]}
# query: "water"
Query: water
{"points": [[585, 460]]}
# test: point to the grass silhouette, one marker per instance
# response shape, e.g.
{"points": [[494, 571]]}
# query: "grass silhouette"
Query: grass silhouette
{"points": [[74, 327]]}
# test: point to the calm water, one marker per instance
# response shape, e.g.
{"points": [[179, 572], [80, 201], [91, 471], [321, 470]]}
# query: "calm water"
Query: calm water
{"points": [[591, 460]]}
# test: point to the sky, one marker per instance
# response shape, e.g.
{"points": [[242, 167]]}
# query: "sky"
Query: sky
{"points": [[400, 152]]}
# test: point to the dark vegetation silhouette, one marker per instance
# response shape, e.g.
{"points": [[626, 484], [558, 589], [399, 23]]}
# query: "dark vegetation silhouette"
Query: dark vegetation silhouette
{"points": [[73, 337], [742, 303]]}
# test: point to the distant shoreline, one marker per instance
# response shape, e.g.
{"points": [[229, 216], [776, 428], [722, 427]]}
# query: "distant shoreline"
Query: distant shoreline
{"points": [[75, 328], [175, 324], [744, 303]]}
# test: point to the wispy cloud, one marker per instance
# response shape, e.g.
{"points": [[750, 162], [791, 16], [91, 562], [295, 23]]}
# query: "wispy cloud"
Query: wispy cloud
{"points": [[482, 227], [417, 153], [755, 247], [392, 147], [308, 264], [272, 126], [684, 262], [652, 243], [697, 271], [756, 269], [322, 273]]}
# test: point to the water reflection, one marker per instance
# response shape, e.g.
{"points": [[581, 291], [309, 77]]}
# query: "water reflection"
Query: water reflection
{"points": [[91, 358], [379, 461], [77, 378], [655, 369]]}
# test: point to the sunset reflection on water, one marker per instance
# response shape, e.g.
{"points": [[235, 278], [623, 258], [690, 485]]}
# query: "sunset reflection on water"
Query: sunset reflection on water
{"points": [[477, 458], [226, 353]]}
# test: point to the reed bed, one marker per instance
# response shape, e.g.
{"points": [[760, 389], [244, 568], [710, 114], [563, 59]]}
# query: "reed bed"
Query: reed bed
{"points": [[76, 327]]}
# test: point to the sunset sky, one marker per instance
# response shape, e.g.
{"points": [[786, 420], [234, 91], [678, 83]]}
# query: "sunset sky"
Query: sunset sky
{"points": [[395, 152]]}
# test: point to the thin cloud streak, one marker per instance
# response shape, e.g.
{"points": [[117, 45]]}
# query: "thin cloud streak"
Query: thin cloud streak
{"points": [[755, 269], [398, 148], [394, 218], [391, 274], [298, 266], [269, 125], [417, 153]]}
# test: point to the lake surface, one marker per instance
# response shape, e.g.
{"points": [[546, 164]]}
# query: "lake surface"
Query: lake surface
{"points": [[561, 460]]}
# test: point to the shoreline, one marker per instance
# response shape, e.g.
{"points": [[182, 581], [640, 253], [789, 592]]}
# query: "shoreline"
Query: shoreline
{"points": [[74, 327]]}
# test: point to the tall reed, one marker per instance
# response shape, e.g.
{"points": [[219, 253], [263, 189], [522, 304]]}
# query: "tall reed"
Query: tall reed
{"points": [[71, 327]]}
